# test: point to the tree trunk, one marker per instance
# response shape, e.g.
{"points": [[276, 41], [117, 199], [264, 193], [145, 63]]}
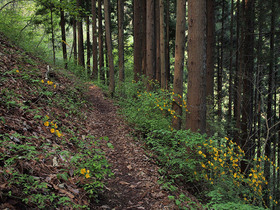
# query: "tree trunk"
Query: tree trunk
{"points": [[157, 40], [230, 71], [75, 40], [196, 102], [100, 42], [162, 45], [52, 28], [109, 48], [121, 39], [268, 145], [247, 143], [94, 41], [237, 82], [63, 36], [88, 45], [167, 59], [150, 39], [138, 29], [210, 59], [179, 63], [81, 57]]}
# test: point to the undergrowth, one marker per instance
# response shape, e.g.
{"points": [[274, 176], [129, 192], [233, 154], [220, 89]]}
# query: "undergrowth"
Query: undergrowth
{"points": [[210, 168], [44, 161]]}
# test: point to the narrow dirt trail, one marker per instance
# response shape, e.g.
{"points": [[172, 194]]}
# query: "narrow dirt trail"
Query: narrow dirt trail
{"points": [[134, 185]]}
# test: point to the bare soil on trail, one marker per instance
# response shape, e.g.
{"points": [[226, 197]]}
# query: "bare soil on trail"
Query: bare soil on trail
{"points": [[134, 185]]}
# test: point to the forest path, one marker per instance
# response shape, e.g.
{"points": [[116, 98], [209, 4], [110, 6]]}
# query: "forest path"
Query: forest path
{"points": [[134, 185]]}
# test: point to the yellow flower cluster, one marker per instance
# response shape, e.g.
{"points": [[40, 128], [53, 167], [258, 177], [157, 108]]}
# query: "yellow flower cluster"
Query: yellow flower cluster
{"points": [[85, 172], [49, 83], [223, 160], [53, 126], [163, 101]]}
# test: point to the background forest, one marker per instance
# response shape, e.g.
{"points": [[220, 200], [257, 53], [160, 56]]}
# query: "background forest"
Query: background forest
{"points": [[198, 80]]}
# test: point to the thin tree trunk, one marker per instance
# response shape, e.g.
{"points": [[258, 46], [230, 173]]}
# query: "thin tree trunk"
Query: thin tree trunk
{"points": [[88, 44], [157, 40], [81, 57], [63, 36], [100, 43], [196, 99], [52, 28], [162, 45], [167, 59], [237, 82], [109, 48], [94, 41], [121, 39], [179, 63], [75, 40]]}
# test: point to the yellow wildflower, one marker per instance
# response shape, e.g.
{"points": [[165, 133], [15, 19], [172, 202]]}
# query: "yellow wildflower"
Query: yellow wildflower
{"points": [[87, 176], [83, 171], [54, 86], [52, 130], [42, 81], [46, 124]]}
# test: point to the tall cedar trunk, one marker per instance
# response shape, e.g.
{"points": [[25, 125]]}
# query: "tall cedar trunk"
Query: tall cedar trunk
{"points": [[75, 40], [196, 99], [269, 134], [81, 57], [138, 27], [52, 28], [162, 45], [100, 42], [63, 36], [109, 48], [88, 45], [237, 80], [259, 86], [247, 142], [210, 59], [220, 69], [157, 40], [94, 41], [179, 63], [167, 58], [121, 39], [150, 43], [144, 45], [230, 94]]}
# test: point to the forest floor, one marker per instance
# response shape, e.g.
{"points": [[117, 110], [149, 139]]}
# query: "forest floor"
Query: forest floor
{"points": [[134, 184]]}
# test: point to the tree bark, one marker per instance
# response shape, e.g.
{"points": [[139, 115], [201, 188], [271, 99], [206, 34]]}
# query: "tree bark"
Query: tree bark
{"points": [[179, 63], [196, 99], [162, 45], [121, 39], [81, 57], [138, 29], [94, 41], [150, 43], [75, 40], [63, 35], [100, 43], [109, 48], [210, 59], [52, 28]]}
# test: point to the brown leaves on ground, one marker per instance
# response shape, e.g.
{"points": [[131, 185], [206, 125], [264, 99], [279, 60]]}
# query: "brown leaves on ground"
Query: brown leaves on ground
{"points": [[135, 181]]}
